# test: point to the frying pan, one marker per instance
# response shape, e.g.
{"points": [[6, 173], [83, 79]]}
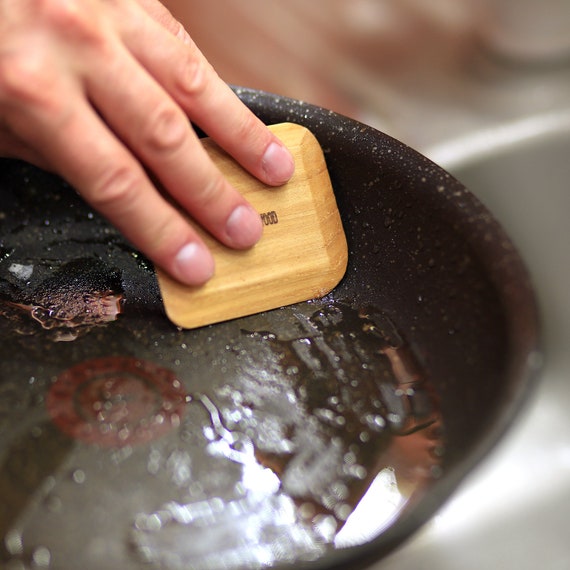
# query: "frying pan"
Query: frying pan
{"points": [[128, 443]]}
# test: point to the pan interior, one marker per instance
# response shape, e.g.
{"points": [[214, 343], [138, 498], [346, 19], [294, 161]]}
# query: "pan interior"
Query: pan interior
{"points": [[287, 417], [286, 437]]}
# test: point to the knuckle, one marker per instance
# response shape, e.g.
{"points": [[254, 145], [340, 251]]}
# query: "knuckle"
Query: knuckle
{"points": [[22, 77], [166, 131], [29, 91], [161, 14], [183, 35], [211, 192], [195, 77], [246, 126], [117, 189], [65, 14], [74, 18], [164, 229]]}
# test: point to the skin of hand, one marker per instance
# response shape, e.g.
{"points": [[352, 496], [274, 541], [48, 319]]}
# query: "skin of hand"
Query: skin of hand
{"points": [[102, 92]]}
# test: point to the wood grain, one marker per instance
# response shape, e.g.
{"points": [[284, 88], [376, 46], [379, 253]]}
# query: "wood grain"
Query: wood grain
{"points": [[302, 254]]}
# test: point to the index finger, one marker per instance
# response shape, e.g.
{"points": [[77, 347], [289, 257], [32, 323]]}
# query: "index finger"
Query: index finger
{"points": [[191, 81]]}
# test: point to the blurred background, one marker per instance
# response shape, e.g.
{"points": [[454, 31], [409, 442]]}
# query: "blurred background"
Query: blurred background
{"points": [[420, 71]]}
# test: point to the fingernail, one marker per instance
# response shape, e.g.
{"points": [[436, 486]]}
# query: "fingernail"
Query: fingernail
{"points": [[277, 164], [194, 264], [244, 227]]}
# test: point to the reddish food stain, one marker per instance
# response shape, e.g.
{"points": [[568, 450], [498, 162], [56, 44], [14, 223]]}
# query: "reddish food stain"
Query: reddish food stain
{"points": [[116, 401]]}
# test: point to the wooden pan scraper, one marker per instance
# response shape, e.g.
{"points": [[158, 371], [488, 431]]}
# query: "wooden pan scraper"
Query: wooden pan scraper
{"points": [[302, 254]]}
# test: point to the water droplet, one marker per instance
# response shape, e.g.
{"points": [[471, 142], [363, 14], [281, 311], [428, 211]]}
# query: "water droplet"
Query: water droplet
{"points": [[148, 523], [13, 542], [325, 526], [53, 504], [436, 471], [358, 472], [36, 432], [41, 557], [342, 511], [349, 458], [364, 436]]}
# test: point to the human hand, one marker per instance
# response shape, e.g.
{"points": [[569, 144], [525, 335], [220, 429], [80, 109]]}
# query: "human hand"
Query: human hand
{"points": [[100, 91]]}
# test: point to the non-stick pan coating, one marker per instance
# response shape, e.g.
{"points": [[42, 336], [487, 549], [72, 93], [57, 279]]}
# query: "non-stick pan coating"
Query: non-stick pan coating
{"points": [[430, 272]]}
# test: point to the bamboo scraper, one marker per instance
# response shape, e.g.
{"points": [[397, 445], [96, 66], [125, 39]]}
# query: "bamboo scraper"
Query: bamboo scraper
{"points": [[302, 254]]}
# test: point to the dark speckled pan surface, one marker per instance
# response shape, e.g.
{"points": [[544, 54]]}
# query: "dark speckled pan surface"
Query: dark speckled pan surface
{"points": [[127, 443]]}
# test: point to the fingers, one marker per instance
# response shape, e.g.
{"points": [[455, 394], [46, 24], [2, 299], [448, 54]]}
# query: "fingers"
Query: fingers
{"points": [[192, 82], [159, 134], [113, 182], [48, 115], [104, 96]]}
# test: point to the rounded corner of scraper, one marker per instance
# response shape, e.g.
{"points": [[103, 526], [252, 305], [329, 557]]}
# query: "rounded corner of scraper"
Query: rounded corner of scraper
{"points": [[181, 323]]}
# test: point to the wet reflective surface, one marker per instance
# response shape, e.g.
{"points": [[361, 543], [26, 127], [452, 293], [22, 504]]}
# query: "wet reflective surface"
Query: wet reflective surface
{"points": [[272, 439], [262, 465], [299, 442], [283, 438]]}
